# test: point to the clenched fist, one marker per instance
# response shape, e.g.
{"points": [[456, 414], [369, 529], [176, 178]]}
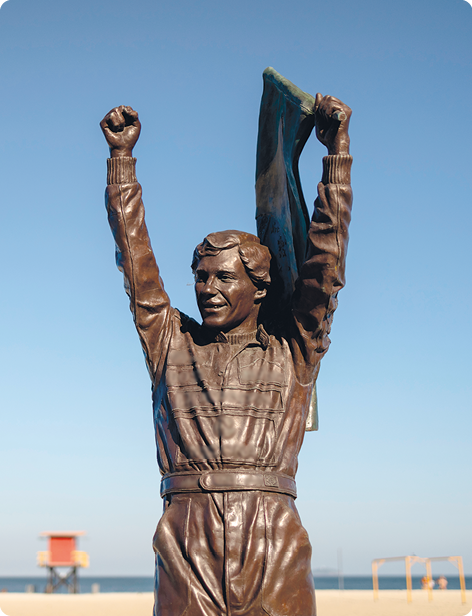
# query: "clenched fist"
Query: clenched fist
{"points": [[121, 128], [332, 122]]}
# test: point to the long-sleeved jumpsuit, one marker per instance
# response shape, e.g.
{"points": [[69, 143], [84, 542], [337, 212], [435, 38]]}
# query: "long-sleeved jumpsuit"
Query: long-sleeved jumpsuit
{"points": [[229, 413]]}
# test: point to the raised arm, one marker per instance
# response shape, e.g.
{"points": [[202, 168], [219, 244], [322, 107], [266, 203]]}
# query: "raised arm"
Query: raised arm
{"points": [[322, 275], [149, 302]]}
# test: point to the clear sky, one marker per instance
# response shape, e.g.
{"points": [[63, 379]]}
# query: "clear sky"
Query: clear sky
{"points": [[389, 471]]}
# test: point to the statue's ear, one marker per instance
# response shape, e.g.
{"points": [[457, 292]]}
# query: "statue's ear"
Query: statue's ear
{"points": [[260, 294]]}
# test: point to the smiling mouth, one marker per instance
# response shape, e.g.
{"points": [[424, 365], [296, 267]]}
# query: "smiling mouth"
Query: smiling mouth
{"points": [[216, 307]]}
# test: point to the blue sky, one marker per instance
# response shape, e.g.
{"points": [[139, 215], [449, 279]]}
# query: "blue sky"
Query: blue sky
{"points": [[389, 471]]}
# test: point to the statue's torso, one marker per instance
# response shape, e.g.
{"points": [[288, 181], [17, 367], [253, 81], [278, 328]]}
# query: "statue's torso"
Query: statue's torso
{"points": [[228, 403]]}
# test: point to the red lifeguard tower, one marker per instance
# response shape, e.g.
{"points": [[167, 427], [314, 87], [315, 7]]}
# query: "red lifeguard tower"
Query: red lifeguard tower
{"points": [[62, 553]]}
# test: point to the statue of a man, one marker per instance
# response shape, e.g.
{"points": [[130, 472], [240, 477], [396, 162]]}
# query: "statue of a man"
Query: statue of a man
{"points": [[231, 395]]}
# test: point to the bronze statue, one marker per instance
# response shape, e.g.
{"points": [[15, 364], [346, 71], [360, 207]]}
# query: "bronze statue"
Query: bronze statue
{"points": [[231, 396]]}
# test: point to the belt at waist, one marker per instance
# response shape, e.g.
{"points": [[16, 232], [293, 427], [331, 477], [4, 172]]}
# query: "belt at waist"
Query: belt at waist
{"points": [[227, 481]]}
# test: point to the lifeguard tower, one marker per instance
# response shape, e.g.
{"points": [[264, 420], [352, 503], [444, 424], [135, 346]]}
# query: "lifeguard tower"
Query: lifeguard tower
{"points": [[62, 553]]}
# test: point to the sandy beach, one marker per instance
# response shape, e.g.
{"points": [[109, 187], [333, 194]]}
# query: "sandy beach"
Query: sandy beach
{"points": [[330, 603]]}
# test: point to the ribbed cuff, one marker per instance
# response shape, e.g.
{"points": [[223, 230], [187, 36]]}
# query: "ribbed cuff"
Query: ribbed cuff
{"points": [[337, 169], [121, 170]]}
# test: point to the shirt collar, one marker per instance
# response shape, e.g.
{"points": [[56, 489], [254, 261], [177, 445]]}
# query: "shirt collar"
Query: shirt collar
{"points": [[259, 336]]}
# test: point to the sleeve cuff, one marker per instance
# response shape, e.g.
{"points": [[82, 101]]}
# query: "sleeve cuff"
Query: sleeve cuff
{"points": [[337, 169], [121, 170]]}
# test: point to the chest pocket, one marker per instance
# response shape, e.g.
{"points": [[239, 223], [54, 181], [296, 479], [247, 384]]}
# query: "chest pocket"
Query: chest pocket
{"points": [[185, 369], [263, 382], [261, 372], [194, 382]]}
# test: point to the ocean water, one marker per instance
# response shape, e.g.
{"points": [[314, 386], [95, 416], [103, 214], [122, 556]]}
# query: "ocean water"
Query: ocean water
{"points": [[145, 584]]}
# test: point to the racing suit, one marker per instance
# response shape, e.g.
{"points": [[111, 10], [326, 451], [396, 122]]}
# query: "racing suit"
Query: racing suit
{"points": [[229, 415]]}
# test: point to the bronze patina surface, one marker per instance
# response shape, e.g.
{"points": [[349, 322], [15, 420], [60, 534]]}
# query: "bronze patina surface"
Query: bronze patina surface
{"points": [[231, 396]]}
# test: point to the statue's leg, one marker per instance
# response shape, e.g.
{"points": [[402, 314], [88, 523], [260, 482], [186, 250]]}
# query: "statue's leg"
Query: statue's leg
{"points": [[190, 549], [288, 586], [267, 557]]}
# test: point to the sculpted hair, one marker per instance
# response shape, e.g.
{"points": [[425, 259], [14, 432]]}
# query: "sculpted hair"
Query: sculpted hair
{"points": [[254, 256]]}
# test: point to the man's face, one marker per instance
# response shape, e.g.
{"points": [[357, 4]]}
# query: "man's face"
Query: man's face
{"points": [[225, 293]]}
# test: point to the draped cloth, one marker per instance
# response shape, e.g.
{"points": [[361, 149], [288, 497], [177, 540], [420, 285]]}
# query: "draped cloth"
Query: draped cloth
{"points": [[286, 120]]}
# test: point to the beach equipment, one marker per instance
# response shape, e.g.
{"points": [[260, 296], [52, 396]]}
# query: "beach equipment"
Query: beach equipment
{"points": [[62, 554], [411, 560]]}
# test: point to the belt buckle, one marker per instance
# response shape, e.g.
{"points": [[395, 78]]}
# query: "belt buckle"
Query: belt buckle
{"points": [[271, 481]]}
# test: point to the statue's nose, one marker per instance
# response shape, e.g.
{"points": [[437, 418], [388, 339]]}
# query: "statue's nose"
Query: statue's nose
{"points": [[209, 287]]}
